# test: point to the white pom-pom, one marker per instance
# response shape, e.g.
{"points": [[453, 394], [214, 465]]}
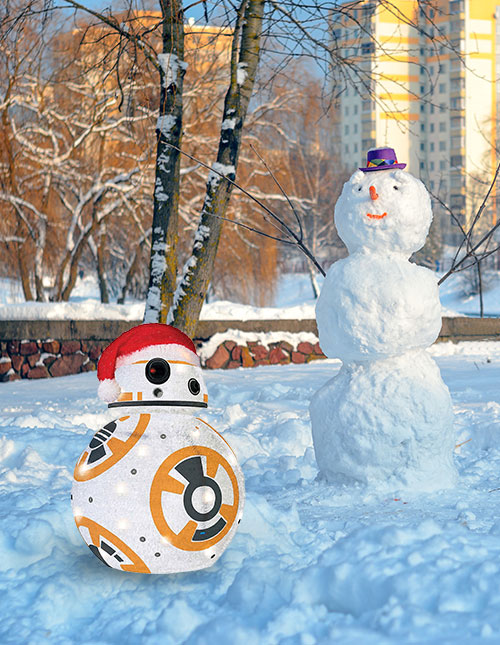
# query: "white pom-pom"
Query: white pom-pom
{"points": [[108, 390]]}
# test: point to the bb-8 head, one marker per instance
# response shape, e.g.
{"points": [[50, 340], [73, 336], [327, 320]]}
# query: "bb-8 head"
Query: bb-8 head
{"points": [[152, 365], [156, 493]]}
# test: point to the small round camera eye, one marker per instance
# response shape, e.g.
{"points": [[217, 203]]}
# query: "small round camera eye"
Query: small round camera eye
{"points": [[194, 386], [157, 371]]}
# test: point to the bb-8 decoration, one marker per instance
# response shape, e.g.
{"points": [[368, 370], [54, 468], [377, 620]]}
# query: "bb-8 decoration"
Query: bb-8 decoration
{"points": [[158, 490]]}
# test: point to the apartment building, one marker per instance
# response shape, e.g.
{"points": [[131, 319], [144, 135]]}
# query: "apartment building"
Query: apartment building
{"points": [[429, 90]]}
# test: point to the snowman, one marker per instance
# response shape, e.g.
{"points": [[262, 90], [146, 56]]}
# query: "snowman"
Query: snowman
{"points": [[386, 419], [157, 490]]}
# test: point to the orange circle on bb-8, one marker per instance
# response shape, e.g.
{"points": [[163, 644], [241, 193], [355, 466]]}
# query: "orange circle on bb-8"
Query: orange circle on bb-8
{"points": [[102, 539], [113, 449], [217, 518]]}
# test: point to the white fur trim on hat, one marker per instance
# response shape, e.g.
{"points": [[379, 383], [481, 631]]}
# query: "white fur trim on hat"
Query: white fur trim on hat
{"points": [[108, 390]]}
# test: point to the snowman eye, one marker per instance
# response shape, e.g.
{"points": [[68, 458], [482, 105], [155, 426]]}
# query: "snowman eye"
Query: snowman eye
{"points": [[359, 189], [396, 187]]}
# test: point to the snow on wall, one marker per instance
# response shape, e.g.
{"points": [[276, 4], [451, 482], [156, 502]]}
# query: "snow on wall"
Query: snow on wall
{"points": [[207, 349]]}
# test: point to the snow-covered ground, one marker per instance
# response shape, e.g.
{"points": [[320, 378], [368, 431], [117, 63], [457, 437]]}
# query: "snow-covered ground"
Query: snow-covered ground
{"points": [[310, 563], [293, 301]]}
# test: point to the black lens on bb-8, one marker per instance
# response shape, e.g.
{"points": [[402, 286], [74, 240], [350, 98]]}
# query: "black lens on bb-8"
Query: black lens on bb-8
{"points": [[194, 386], [157, 371]]}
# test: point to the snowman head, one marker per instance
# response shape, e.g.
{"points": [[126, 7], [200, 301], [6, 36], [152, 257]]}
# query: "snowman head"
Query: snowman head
{"points": [[387, 211], [154, 366]]}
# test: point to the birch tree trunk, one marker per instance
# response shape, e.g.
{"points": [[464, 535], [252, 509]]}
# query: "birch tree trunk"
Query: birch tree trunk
{"points": [[198, 271], [163, 260]]}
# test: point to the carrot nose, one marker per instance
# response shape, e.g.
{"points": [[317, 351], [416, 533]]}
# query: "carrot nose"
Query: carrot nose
{"points": [[373, 193]]}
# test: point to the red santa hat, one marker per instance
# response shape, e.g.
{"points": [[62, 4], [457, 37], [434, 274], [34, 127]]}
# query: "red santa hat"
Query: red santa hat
{"points": [[135, 341]]}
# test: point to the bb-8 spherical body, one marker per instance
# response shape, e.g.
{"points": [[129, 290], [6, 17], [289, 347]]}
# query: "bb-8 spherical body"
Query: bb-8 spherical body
{"points": [[158, 490]]}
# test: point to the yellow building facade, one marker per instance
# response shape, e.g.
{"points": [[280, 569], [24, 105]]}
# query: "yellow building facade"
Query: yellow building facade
{"points": [[426, 86]]}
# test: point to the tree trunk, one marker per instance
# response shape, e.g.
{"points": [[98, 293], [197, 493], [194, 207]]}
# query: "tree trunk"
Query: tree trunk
{"points": [[314, 281], [163, 260], [480, 287], [24, 271], [199, 268], [132, 270], [101, 268]]}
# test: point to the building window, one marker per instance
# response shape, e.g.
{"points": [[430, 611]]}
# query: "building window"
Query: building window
{"points": [[346, 129], [432, 146], [456, 6], [367, 48], [431, 166], [422, 107], [442, 165], [422, 127], [422, 146], [432, 109], [431, 185], [431, 127], [457, 201], [346, 111], [442, 127], [355, 128], [456, 161], [442, 88], [422, 165], [346, 149], [355, 109], [355, 147], [442, 145], [442, 108]]}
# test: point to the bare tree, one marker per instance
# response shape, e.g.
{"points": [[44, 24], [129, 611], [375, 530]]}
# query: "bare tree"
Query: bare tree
{"points": [[259, 29], [479, 239]]}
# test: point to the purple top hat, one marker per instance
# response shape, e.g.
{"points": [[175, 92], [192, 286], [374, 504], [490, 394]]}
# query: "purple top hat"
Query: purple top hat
{"points": [[381, 159]]}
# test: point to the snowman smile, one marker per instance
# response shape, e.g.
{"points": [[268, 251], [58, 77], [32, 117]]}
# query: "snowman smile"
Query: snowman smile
{"points": [[373, 216]]}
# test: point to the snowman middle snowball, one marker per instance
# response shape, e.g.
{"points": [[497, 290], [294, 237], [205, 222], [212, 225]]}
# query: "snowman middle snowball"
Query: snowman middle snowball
{"points": [[158, 490]]}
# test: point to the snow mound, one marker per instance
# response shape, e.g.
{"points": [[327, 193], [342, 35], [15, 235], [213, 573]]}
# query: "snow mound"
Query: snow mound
{"points": [[310, 563]]}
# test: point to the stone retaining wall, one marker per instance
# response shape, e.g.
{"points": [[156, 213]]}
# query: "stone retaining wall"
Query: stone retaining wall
{"points": [[41, 349], [44, 358], [230, 354]]}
